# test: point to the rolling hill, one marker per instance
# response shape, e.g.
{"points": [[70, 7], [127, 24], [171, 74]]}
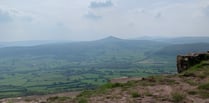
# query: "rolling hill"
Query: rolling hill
{"points": [[110, 44], [181, 49], [75, 66]]}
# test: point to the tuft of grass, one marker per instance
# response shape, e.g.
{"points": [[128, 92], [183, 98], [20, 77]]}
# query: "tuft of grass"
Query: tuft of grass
{"points": [[147, 93], [51, 99], [204, 90], [198, 70], [191, 82], [204, 86], [178, 97], [188, 74], [28, 100], [10, 101], [57, 99], [86, 93], [204, 94], [82, 100], [102, 90], [153, 80], [192, 92], [111, 85], [135, 95]]}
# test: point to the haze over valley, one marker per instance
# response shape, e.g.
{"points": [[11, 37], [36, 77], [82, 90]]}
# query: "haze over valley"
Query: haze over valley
{"points": [[59, 46], [75, 66]]}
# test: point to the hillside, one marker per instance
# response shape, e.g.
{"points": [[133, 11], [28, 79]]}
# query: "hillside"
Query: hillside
{"points": [[190, 86], [187, 40], [77, 66], [98, 47], [178, 40], [173, 50]]}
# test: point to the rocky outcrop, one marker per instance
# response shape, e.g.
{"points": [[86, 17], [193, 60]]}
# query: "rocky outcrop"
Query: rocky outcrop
{"points": [[184, 62]]}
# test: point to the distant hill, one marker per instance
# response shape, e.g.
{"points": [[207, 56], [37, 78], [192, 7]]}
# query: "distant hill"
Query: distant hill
{"points": [[173, 50], [178, 40], [73, 66], [110, 39], [189, 40], [30, 43], [104, 46]]}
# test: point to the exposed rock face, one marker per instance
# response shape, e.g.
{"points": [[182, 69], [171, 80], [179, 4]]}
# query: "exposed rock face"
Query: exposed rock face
{"points": [[184, 62]]}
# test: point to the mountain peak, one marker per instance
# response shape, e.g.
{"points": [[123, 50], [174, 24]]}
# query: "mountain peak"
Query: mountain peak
{"points": [[111, 38]]}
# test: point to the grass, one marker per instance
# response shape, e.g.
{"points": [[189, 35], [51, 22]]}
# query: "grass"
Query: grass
{"points": [[135, 95], [192, 92], [191, 82], [204, 94], [153, 80], [57, 99], [178, 97], [204, 86], [204, 90], [82, 100], [103, 89], [199, 70], [147, 93]]}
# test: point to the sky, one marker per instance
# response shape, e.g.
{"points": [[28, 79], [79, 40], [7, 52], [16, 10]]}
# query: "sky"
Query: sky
{"points": [[94, 19]]}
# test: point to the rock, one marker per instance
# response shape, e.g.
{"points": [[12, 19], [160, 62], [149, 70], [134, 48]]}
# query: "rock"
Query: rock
{"points": [[184, 62]]}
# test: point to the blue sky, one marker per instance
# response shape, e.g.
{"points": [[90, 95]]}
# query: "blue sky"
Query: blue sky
{"points": [[94, 19]]}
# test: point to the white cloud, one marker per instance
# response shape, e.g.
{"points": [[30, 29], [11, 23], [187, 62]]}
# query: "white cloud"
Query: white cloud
{"points": [[11, 15], [91, 19], [100, 4], [92, 16]]}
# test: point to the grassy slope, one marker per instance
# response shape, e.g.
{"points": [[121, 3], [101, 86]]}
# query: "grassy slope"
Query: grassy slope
{"points": [[65, 67], [190, 86]]}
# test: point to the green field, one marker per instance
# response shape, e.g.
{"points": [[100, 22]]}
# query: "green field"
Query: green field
{"points": [[80, 66], [34, 75]]}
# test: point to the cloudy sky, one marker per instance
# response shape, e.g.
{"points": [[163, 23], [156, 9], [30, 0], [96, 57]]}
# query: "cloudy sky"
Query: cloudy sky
{"points": [[94, 19]]}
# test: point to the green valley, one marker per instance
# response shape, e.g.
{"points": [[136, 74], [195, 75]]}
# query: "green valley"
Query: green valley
{"points": [[76, 66]]}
